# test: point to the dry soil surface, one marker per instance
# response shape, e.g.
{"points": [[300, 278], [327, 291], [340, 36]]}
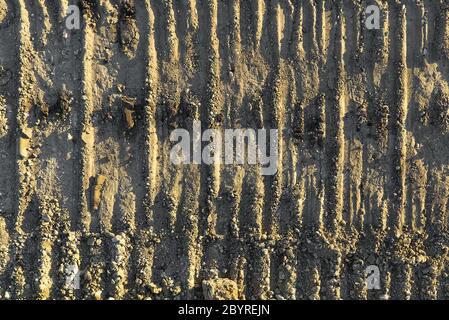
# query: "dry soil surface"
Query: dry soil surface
{"points": [[86, 181]]}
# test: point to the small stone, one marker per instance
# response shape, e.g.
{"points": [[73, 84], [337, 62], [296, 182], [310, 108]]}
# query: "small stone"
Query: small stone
{"points": [[176, 290], [129, 117], [27, 132], [98, 294], [422, 259], [154, 288]]}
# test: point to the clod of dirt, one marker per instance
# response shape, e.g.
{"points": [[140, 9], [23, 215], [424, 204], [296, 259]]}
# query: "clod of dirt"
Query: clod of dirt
{"points": [[24, 145], [128, 111], [154, 289], [3, 10], [27, 132], [220, 289], [87, 137], [3, 117], [98, 188], [42, 109], [129, 118]]}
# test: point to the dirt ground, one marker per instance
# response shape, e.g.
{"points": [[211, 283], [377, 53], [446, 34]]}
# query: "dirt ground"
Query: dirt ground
{"points": [[86, 180]]}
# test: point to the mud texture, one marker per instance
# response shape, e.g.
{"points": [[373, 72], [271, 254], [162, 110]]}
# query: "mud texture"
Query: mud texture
{"points": [[85, 176]]}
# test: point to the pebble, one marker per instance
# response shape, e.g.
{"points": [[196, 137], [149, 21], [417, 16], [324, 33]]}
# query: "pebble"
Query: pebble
{"points": [[97, 295]]}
